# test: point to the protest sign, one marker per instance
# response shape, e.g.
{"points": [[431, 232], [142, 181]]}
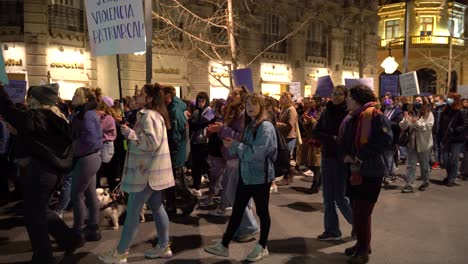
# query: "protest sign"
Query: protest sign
{"points": [[3, 75], [369, 82], [389, 83], [115, 26], [409, 84], [463, 90], [243, 77], [295, 90], [16, 89], [324, 86]]}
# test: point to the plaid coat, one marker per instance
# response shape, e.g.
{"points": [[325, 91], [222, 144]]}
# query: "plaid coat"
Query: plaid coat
{"points": [[148, 158]]}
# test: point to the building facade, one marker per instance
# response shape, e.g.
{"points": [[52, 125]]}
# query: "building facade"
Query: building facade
{"points": [[282, 42], [437, 42]]}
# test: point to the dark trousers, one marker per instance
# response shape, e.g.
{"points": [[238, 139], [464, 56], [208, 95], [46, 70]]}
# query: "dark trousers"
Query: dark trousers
{"points": [[112, 171], [317, 176], [364, 197], [38, 186], [199, 163], [4, 188], [261, 195], [179, 190], [362, 212]]}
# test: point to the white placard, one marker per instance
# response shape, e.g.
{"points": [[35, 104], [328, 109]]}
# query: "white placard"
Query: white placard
{"points": [[369, 82], [463, 90], [409, 84], [295, 89], [115, 26]]}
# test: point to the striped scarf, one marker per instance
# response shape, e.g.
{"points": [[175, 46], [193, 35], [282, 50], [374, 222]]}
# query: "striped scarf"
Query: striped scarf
{"points": [[364, 114]]}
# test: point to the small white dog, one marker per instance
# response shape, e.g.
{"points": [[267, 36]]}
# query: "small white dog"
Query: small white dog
{"points": [[114, 207]]}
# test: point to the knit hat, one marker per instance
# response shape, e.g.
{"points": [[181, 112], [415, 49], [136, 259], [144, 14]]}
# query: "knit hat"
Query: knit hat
{"points": [[108, 101], [46, 94]]}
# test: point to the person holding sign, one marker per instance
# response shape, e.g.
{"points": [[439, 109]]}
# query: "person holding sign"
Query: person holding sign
{"points": [[417, 126]]}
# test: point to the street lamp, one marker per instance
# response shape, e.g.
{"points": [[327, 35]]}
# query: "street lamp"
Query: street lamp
{"points": [[389, 64]]}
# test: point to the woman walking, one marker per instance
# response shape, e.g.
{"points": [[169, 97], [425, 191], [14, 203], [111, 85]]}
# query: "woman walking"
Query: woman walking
{"points": [[417, 123], [87, 142], [287, 125], [256, 153], [365, 133], [334, 171], [147, 172], [44, 149]]}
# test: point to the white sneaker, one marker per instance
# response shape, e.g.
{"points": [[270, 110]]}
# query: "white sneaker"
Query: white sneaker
{"points": [[196, 193], [218, 249], [158, 252], [258, 253], [113, 257], [308, 173]]}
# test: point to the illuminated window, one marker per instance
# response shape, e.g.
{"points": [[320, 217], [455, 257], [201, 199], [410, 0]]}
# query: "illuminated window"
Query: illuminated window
{"points": [[392, 29], [426, 26]]}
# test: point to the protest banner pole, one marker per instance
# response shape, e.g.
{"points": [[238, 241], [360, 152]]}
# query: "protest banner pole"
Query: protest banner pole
{"points": [[117, 57]]}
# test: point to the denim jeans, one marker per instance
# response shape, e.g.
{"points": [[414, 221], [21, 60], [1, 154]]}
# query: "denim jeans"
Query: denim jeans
{"points": [[84, 186], [437, 148], [389, 156], [450, 156], [229, 183], [413, 158], [402, 152], [334, 177], [132, 220], [65, 191]]}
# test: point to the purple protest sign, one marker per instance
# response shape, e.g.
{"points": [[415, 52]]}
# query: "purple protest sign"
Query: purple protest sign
{"points": [[389, 83], [324, 86], [243, 77], [16, 90]]}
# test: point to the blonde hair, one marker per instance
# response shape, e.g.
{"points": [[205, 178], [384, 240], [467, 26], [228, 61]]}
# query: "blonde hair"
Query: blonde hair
{"points": [[255, 99], [289, 101], [35, 104], [107, 109]]}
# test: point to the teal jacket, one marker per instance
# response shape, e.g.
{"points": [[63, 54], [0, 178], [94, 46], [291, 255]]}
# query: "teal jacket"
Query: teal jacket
{"points": [[176, 135], [258, 154]]}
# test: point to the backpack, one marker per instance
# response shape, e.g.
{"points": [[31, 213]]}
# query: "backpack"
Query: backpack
{"points": [[282, 163]]}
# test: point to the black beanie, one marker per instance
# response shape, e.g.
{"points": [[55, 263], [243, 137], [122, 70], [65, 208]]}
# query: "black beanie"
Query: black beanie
{"points": [[45, 94]]}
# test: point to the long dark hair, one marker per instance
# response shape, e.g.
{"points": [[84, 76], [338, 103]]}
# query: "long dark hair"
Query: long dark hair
{"points": [[157, 103], [425, 109], [233, 111]]}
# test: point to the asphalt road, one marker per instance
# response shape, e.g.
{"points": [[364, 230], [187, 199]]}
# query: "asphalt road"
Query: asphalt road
{"points": [[428, 227]]}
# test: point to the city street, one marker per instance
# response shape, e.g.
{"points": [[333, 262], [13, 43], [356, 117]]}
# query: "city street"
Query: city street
{"points": [[428, 227]]}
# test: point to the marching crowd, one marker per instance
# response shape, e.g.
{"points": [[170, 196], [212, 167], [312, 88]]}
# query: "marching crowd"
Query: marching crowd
{"points": [[352, 144]]}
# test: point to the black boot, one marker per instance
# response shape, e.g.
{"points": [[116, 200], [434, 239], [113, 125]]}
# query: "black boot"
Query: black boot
{"points": [[92, 233], [313, 189]]}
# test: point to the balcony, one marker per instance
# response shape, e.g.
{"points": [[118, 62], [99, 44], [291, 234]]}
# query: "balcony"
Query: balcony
{"points": [[316, 49], [270, 39], [417, 41], [65, 18], [12, 14]]}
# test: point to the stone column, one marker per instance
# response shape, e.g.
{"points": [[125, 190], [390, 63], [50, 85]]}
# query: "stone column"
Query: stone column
{"points": [[336, 41], [297, 55], [36, 40]]}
